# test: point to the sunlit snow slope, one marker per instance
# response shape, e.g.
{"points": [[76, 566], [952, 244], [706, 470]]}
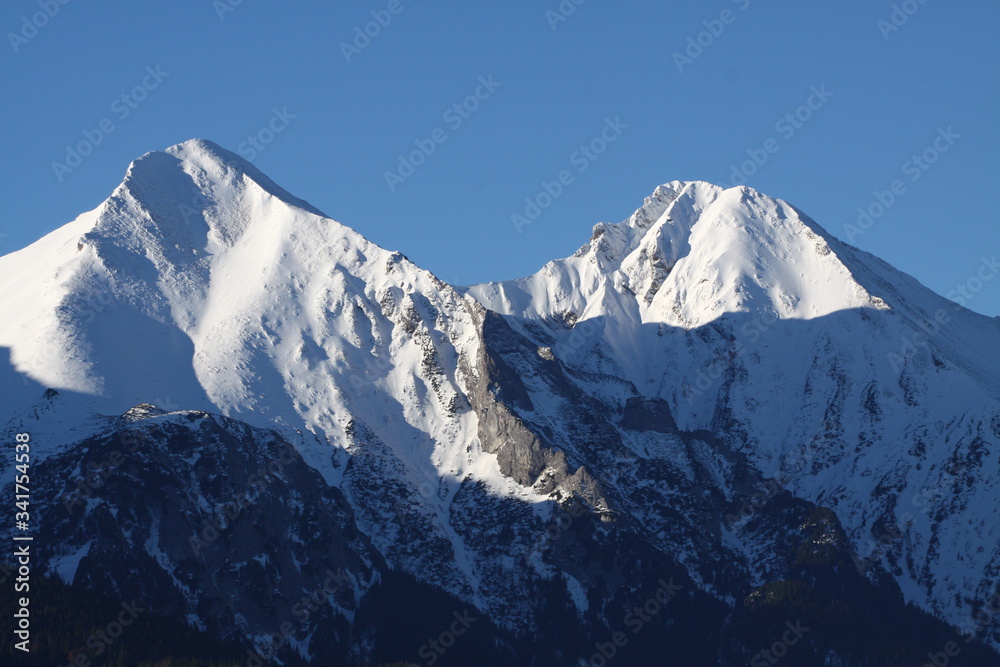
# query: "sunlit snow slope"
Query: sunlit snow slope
{"points": [[715, 331], [201, 284], [755, 324]]}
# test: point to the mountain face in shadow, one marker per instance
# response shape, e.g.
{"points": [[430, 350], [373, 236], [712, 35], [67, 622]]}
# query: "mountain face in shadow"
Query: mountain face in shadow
{"points": [[716, 433]]}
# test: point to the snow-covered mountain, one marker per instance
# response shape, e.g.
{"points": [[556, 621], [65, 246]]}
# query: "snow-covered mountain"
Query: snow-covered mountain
{"points": [[753, 323], [701, 392]]}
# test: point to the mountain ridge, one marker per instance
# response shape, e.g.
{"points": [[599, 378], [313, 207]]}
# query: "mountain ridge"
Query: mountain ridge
{"points": [[716, 343]]}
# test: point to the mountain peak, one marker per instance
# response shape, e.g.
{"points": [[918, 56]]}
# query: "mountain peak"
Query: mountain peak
{"points": [[747, 252], [206, 165], [197, 148], [657, 203], [680, 361], [691, 253]]}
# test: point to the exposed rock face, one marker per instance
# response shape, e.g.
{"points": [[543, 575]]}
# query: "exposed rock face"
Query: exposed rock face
{"points": [[714, 405], [207, 518]]}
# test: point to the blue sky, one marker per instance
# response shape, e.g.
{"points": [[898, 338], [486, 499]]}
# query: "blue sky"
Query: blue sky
{"points": [[331, 121]]}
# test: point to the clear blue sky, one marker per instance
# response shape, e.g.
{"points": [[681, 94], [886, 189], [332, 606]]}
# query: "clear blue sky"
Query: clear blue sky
{"points": [[891, 92]]}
